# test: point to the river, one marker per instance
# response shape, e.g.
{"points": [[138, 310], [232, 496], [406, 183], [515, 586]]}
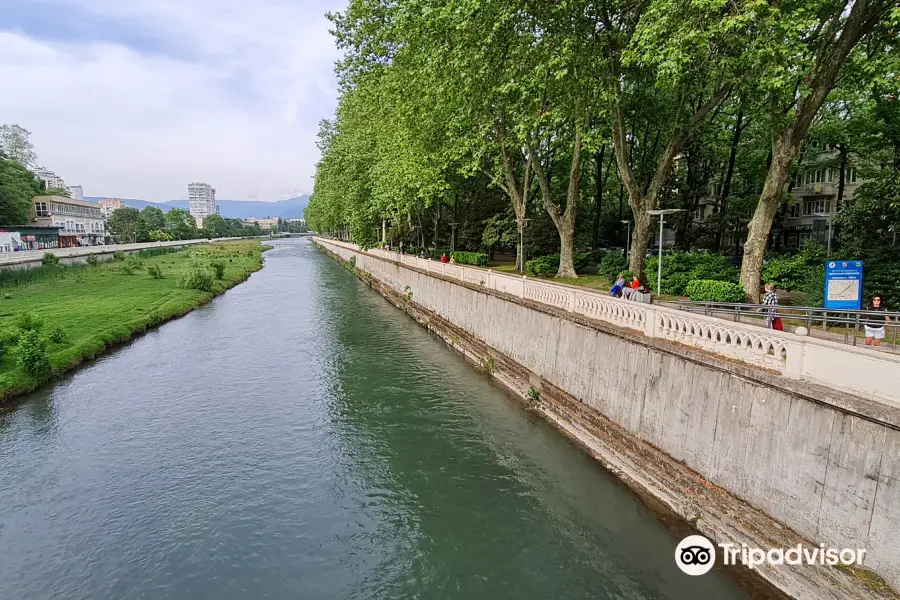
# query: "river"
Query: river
{"points": [[299, 437]]}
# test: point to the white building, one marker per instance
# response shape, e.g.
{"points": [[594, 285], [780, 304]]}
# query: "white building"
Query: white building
{"points": [[51, 180], [80, 223], [201, 201], [75, 191]]}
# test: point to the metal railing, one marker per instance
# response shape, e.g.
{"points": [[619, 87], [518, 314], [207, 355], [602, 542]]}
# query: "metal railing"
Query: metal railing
{"points": [[813, 318]]}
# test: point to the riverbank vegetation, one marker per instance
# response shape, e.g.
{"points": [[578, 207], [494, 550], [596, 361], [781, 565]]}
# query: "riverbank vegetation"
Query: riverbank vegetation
{"points": [[476, 125], [54, 317]]}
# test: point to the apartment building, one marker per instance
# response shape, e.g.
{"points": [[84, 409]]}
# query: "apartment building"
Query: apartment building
{"points": [[109, 205], [80, 223], [201, 201], [75, 191], [51, 180], [264, 224], [814, 202]]}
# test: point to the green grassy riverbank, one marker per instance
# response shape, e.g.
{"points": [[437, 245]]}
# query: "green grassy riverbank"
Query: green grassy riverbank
{"points": [[70, 314]]}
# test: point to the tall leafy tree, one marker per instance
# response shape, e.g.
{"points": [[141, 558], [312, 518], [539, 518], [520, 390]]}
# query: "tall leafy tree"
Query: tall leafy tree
{"points": [[18, 186], [15, 144]]}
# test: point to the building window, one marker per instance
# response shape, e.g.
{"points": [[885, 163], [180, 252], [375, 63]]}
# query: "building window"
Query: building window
{"points": [[794, 211], [851, 175], [41, 209], [816, 205]]}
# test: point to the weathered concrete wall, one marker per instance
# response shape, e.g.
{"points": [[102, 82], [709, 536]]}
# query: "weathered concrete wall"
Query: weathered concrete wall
{"points": [[830, 473]]}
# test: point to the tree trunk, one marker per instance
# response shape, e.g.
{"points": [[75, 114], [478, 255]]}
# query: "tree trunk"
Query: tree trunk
{"points": [[761, 224], [640, 241], [729, 175], [842, 175], [598, 194]]}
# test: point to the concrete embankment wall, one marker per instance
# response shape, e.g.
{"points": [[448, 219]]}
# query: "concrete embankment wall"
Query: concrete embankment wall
{"points": [[829, 474]]}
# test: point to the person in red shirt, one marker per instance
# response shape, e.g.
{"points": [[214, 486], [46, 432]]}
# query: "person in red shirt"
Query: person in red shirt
{"points": [[635, 283], [444, 257]]}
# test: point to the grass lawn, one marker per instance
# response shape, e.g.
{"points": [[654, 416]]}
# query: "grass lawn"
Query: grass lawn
{"points": [[592, 282], [97, 306]]}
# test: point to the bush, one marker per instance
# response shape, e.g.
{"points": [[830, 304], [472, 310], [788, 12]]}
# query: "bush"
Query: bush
{"points": [[706, 290], [119, 255], [218, 267], [197, 276], [31, 353], [132, 264], [681, 268], [92, 259], [479, 259], [28, 322], [49, 259], [154, 271], [8, 339], [543, 266], [612, 264], [581, 260], [57, 335]]}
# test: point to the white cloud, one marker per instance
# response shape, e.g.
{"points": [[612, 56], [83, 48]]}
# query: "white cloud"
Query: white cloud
{"points": [[232, 95]]}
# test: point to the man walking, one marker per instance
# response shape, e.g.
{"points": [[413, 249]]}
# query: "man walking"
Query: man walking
{"points": [[770, 300]]}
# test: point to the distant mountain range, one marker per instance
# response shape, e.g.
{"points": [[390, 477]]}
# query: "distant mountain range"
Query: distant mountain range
{"points": [[292, 208]]}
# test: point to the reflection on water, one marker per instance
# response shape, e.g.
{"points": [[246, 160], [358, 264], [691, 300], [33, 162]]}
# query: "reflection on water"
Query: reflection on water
{"points": [[301, 438]]}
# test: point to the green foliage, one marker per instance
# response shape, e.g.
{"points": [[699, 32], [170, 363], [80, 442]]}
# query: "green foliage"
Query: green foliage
{"points": [[57, 335], [119, 255], [18, 186], [92, 259], [49, 259], [612, 264], [479, 259], [28, 322], [154, 271], [31, 353], [703, 290], [547, 266], [131, 264], [9, 337], [681, 268], [197, 275], [160, 235], [218, 267]]}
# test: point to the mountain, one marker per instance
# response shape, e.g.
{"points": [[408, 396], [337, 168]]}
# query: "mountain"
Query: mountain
{"points": [[292, 208], [133, 202]]}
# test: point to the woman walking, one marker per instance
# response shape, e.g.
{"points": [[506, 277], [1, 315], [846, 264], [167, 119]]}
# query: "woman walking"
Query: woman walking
{"points": [[875, 322]]}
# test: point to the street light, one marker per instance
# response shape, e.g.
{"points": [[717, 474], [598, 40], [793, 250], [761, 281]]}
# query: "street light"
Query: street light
{"points": [[453, 236], [662, 217], [830, 218], [521, 259], [627, 238]]}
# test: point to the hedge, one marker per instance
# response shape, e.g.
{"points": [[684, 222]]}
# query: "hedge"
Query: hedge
{"points": [[547, 266], [478, 259], [707, 290], [681, 268]]}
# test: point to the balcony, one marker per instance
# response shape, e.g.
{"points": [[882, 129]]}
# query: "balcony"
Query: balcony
{"points": [[815, 189]]}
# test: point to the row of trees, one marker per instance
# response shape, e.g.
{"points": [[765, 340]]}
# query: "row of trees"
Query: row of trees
{"points": [[151, 224], [476, 118]]}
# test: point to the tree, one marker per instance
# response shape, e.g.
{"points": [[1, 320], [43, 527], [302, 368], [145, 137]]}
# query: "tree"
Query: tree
{"points": [[15, 144], [153, 218], [178, 216], [18, 186], [805, 51], [123, 222], [216, 226]]}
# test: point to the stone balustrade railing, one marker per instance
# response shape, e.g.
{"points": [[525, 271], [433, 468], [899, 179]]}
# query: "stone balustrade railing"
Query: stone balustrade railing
{"points": [[861, 371]]}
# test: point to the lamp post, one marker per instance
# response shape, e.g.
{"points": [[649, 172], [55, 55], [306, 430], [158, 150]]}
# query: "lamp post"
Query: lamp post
{"points": [[524, 223], [662, 217], [453, 237], [830, 218], [627, 238]]}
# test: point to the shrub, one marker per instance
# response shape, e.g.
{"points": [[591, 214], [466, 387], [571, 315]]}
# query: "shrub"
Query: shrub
{"points": [[197, 276], [612, 264], [31, 353], [57, 335], [92, 259], [28, 322], [581, 260], [50, 259], [218, 267], [681, 268], [793, 272], [479, 259], [8, 339], [119, 255], [154, 271], [132, 264], [544, 266], [706, 290]]}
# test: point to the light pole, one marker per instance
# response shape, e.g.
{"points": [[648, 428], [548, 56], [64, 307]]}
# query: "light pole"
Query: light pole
{"points": [[521, 258], [627, 238], [830, 218], [453, 237], [662, 217]]}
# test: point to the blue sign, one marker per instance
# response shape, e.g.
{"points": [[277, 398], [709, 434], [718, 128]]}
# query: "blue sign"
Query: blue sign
{"points": [[843, 284]]}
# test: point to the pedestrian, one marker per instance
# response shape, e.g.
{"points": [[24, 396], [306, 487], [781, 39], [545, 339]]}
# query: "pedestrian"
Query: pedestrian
{"points": [[875, 322], [635, 282], [618, 286], [452, 260], [444, 257], [771, 300]]}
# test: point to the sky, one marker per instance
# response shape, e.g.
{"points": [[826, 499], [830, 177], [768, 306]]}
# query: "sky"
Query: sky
{"points": [[138, 98]]}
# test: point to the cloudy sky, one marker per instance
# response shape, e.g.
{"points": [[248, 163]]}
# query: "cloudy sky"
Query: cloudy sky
{"points": [[137, 98]]}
